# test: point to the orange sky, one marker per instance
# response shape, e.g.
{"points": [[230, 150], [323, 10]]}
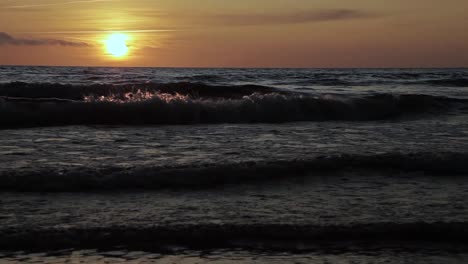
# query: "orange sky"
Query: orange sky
{"points": [[241, 33]]}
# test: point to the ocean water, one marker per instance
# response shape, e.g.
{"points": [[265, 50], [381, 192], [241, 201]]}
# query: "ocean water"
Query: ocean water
{"points": [[160, 165]]}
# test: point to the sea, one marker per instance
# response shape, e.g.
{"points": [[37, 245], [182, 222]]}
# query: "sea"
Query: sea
{"points": [[183, 165]]}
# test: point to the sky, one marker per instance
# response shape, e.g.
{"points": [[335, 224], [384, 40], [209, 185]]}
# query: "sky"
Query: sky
{"points": [[241, 33]]}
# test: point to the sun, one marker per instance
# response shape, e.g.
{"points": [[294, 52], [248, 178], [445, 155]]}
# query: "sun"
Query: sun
{"points": [[116, 44]]}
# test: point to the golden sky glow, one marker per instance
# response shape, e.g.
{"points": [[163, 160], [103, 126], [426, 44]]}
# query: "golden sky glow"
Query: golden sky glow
{"points": [[242, 33]]}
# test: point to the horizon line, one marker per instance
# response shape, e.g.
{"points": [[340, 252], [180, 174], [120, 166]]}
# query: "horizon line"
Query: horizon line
{"points": [[230, 67]]}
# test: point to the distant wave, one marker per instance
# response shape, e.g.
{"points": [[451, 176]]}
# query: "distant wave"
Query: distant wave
{"points": [[455, 82], [183, 103], [282, 237], [210, 175], [402, 79], [390, 79], [200, 78], [296, 78]]}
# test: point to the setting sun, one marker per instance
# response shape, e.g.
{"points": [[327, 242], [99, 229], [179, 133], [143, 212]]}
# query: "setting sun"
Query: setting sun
{"points": [[116, 44]]}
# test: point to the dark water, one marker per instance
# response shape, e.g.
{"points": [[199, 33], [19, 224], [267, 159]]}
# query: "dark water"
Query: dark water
{"points": [[219, 165]]}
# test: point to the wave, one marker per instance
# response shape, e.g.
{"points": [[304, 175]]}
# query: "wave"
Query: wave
{"points": [[203, 104], [400, 79], [77, 92], [201, 78], [403, 79], [255, 236], [454, 82], [84, 179]]}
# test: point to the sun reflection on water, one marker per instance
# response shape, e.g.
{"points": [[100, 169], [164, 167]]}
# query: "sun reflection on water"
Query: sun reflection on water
{"points": [[138, 96]]}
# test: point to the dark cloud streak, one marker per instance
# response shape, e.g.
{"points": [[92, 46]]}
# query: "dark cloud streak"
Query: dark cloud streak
{"points": [[311, 16], [6, 39]]}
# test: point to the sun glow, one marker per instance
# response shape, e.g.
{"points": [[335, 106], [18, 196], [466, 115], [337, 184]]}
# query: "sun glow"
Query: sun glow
{"points": [[116, 45]]}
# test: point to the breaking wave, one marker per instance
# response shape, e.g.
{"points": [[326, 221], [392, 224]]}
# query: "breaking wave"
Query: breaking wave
{"points": [[23, 105], [77, 92], [84, 179]]}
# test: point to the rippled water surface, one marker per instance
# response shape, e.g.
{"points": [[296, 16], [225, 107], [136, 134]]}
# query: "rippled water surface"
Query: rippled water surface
{"points": [[232, 257], [154, 165]]}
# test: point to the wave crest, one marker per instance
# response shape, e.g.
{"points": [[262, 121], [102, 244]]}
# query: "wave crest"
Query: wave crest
{"points": [[134, 97], [77, 92], [144, 108]]}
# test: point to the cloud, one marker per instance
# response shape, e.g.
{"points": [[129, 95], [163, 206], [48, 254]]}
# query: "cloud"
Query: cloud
{"points": [[310, 16], [61, 3], [105, 31], [6, 39]]}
